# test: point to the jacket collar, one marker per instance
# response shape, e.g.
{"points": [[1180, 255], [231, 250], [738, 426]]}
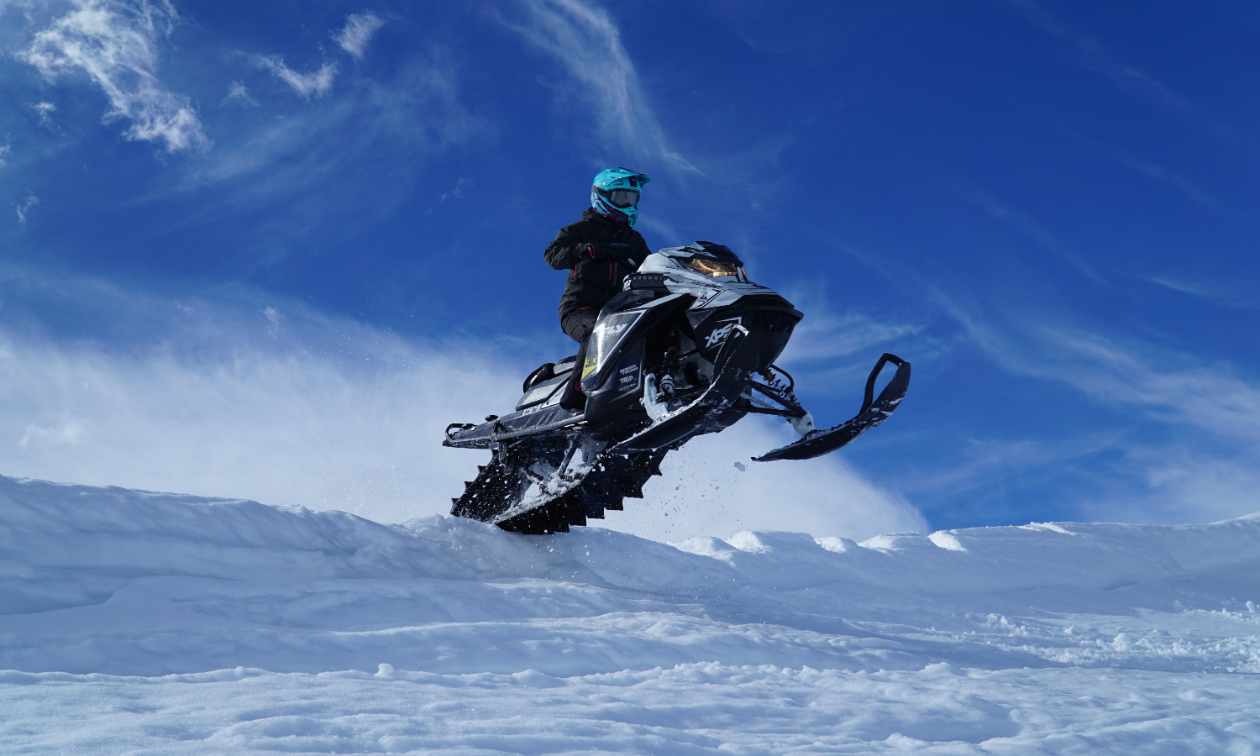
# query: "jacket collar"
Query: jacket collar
{"points": [[590, 214]]}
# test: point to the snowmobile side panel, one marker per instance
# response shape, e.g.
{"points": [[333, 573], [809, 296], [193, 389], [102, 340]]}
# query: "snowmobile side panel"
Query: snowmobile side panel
{"points": [[605, 354], [873, 413], [619, 395], [731, 374]]}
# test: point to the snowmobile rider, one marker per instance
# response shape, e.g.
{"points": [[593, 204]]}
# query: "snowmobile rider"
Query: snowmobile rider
{"points": [[599, 251]]}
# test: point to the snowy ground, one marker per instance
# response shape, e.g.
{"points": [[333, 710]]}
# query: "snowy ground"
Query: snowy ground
{"points": [[159, 624]]}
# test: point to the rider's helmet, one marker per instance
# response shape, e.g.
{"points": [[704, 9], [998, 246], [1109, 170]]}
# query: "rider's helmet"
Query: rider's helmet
{"points": [[615, 194]]}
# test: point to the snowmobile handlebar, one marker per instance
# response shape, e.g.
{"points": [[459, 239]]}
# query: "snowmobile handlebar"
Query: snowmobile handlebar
{"points": [[870, 382], [598, 252]]}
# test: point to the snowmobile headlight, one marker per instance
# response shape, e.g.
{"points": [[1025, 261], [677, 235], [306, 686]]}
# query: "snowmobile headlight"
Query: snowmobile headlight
{"points": [[714, 268]]}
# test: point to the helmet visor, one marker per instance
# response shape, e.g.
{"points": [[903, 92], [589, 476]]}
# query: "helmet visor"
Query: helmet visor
{"points": [[624, 198]]}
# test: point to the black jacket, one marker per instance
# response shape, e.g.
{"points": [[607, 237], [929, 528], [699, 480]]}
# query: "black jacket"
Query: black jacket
{"points": [[593, 282]]}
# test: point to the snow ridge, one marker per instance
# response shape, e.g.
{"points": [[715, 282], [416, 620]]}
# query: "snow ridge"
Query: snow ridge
{"points": [[232, 626]]}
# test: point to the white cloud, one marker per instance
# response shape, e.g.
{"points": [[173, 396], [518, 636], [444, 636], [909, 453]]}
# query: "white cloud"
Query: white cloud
{"points": [[1199, 466], [44, 110], [825, 336], [1173, 387], [1192, 288], [239, 93], [458, 191], [332, 414], [588, 43], [306, 85], [1180, 479], [115, 43], [1236, 294], [5, 149], [327, 414], [25, 206], [320, 155], [274, 320], [1167, 385], [358, 32], [66, 430]]}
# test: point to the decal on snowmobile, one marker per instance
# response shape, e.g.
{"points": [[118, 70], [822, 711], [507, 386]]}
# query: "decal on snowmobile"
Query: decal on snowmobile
{"points": [[686, 348], [720, 333]]}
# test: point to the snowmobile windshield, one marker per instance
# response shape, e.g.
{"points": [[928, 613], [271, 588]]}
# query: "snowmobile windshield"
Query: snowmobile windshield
{"points": [[714, 268], [624, 198]]}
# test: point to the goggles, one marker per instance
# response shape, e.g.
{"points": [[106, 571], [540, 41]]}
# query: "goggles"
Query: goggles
{"points": [[624, 198]]}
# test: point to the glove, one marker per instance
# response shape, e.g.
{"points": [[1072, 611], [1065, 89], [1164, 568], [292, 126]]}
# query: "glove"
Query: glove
{"points": [[593, 252]]}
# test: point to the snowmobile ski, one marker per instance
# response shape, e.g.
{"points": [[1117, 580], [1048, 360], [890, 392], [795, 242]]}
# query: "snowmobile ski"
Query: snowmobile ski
{"points": [[819, 442]]}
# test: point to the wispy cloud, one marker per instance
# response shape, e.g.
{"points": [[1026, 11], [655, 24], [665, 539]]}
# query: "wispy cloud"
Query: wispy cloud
{"points": [[25, 206], [825, 336], [1165, 176], [5, 149], [1181, 478], [1168, 386], [457, 192], [1234, 294], [1175, 438], [1034, 231], [239, 93], [1149, 169], [1173, 387], [115, 44], [358, 32], [1095, 55], [317, 157], [65, 430], [1194, 289], [44, 110], [315, 84], [587, 42]]}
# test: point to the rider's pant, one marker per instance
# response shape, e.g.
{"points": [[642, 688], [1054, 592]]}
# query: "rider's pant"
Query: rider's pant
{"points": [[579, 323]]}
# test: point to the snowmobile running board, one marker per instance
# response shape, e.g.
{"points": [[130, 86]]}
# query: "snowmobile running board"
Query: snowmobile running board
{"points": [[820, 442]]}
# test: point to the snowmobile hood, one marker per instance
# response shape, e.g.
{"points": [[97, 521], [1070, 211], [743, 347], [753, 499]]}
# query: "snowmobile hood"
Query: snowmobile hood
{"points": [[703, 262]]}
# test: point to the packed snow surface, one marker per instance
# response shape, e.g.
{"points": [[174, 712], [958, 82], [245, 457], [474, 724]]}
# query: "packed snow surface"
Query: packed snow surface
{"points": [[146, 623]]}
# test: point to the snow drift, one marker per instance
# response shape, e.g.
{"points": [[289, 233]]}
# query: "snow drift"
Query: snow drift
{"points": [[232, 625]]}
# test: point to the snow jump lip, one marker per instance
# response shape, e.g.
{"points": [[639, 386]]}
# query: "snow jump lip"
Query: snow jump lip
{"points": [[825, 441]]}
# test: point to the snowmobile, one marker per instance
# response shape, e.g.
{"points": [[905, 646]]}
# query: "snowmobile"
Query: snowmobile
{"points": [[686, 348]]}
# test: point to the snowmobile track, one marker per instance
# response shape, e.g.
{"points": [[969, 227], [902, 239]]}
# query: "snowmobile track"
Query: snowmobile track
{"points": [[498, 485]]}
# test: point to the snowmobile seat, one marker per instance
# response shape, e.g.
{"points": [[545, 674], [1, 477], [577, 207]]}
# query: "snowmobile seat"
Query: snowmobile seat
{"points": [[543, 383], [542, 391], [543, 372], [547, 371]]}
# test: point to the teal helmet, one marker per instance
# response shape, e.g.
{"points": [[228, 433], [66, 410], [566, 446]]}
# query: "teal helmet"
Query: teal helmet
{"points": [[615, 194]]}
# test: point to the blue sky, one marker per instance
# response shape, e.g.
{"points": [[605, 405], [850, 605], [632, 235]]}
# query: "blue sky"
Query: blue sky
{"points": [[237, 238]]}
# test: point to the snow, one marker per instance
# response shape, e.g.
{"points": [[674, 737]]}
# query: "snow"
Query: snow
{"points": [[134, 622]]}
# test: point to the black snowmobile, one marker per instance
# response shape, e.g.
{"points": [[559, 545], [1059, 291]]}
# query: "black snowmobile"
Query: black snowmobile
{"points": [[687, 348]]}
